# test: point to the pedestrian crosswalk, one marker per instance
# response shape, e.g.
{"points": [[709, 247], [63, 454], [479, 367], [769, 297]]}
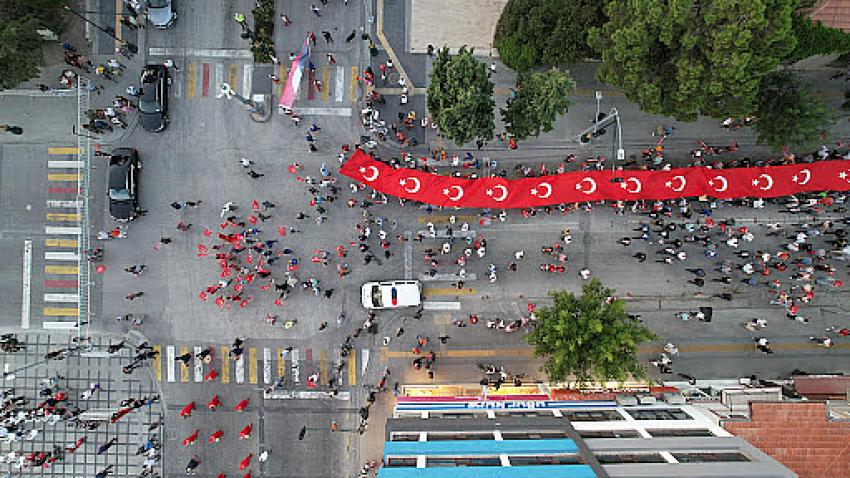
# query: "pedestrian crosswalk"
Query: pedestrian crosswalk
{"points": [[255, 366], [337, 85], [59, 249]]}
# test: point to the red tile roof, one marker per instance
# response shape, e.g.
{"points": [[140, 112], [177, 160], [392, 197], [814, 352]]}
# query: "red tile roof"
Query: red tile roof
{"points": [[798, 435], [833, 13], [822, 387]]}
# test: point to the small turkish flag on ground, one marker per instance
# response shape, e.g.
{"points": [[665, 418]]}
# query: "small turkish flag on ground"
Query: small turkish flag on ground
{"points": [[214, 403], [216, 436], [246, 462], [281, 230], [255, 205], [211, 375], [187, 410], [207, 232], [241, 406], [246, 432]]}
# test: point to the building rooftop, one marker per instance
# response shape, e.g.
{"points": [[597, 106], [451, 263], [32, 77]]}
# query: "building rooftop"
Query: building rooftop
{"points": [[800, 435], [822, 387], [832, 13]]}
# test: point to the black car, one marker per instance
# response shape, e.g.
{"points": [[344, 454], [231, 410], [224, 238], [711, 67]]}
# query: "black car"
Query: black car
{"points": [[153, 99], [123, 187]]}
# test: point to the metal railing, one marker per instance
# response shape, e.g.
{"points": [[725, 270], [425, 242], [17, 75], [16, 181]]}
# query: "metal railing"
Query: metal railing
{"points": [[83, 184]]}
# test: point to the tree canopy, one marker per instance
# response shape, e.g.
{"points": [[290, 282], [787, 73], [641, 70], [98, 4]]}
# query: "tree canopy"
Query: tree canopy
{"points": [[539, 100], [21, 52], [546, 32], [815, 38], [789, 114], [587, 339], [692, 57], [460, 97]]}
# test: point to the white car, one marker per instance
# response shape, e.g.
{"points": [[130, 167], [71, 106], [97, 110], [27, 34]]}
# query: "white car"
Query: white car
{"points": [[391, 294]]}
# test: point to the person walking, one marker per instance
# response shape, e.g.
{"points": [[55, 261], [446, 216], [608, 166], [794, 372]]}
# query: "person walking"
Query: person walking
{"points": [[106, 446], [328, 38]]}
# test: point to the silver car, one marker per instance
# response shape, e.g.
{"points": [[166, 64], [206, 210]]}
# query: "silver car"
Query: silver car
{"points": [[161, 13]]}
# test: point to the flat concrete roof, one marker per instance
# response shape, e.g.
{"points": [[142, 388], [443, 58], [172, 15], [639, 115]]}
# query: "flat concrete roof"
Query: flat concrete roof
{"points": [[454, 24]]}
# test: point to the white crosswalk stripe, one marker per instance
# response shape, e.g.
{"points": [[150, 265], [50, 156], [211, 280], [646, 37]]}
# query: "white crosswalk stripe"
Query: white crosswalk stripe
{"points": [[169, 357], [267, 365], [296, 370], [339, 90], [239, 371], [199, 366]]}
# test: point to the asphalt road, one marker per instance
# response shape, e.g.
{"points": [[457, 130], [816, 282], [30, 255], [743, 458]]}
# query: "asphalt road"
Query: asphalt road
{"points": [[197, 158]]}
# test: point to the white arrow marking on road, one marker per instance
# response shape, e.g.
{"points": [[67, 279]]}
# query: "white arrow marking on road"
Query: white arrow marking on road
{"points": [[169, 354], [364, 361]]}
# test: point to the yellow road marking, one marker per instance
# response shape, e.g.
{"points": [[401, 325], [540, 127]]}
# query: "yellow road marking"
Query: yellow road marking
{"points": [[352, 85], [231, 77], [448, 291], [118, 9], [184, 369], [282, 75], [62, 216], [697, 348], [326, 78], [63, 176], [63, 150], [225, 365], [252, 365], [60, 312], [190, 79], [65, 270], [323, 366], [352, 367], [281, 364], [60, 242], [444, 219], [157, 362]]}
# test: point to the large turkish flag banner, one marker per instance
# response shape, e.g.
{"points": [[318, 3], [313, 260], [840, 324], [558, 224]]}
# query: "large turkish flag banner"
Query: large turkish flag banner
{"points": [[573, 187]]}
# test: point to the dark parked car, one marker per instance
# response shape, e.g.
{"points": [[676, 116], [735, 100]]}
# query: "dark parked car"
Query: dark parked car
{"points": [[123, 188], [153, 100]]}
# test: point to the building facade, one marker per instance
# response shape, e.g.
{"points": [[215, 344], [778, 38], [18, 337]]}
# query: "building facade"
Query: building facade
{"points": [[433, 437]]}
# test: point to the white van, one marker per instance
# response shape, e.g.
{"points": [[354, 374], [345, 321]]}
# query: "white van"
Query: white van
{"points": [[391, 294]]}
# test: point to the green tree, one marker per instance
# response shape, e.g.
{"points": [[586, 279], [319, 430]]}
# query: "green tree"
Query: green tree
{"points": [[546, 32], [587, 339], [460, 97], [692, 57], [789, 114], [815, 38], [49, 14], [21, 52], [539, 100]]}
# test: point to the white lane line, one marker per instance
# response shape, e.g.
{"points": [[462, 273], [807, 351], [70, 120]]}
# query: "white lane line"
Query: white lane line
{"points": [[55, 203], [267, 365], [65, 164], [201, 52], [177, 86], [441, 305], [296, 371], [240, 368], [219, 77], [408, 255], [75, 298], [59, 325], [339, 90], [27, 278], [246, 80], [58, 230], [199, 366], [62, 256], [324, 111], [169, 358]]}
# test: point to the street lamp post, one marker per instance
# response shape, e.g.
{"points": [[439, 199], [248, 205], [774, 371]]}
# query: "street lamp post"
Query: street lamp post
{"points": [[229, 92], [108, 30]]}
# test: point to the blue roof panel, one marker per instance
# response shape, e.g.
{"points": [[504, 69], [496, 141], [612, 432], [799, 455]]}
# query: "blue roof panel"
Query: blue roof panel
{"points": [[545, 446], [547, 471]]}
